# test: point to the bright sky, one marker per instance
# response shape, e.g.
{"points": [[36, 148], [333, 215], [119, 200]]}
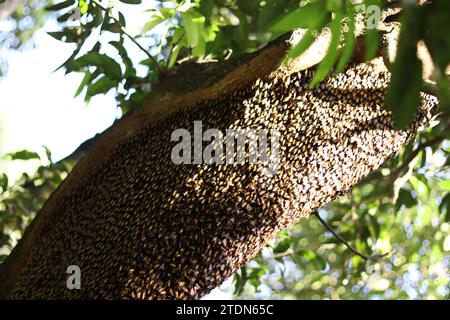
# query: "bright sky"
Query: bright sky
{"points": [[37, 105]]}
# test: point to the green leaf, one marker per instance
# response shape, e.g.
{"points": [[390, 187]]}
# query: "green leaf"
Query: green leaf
{"points": [[23, 155], [112, 26], [68, 35], [241, 280], [444, 185], [437, 19], [58, 35], [60, 5], [178, 33], [200, 48], [320, 262], [307, 255], [65, 16], [97, 17], [356, 261], [3, 182], [71, 58], [303, 17], [420, 187], [243, 28], [255, 276], [129, 69], [102, 85], [135, 101], [308, 37], [168, 12], [131, 1], [206, 8], [403, 97], [156, 18], [122, 20], [304, 43], [83, 83], [374, 226], [282, 246], [174, 55], [194, 23], [106, 64], [349, 41], [48, 154], [371, 44], [445, 206], [332, 53], [405, 198], [184, 6]]}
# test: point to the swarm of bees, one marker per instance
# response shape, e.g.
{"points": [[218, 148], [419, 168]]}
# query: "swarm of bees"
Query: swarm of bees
{"points": [[142, 227]]}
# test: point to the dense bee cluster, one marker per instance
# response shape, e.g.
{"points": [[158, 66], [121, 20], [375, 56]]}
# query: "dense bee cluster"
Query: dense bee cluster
{"points": [[145, 228]]}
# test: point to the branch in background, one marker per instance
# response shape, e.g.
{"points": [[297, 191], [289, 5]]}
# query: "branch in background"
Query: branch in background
{"points": [[400, 169], [367, 258], [124, 32], [404, 166]]}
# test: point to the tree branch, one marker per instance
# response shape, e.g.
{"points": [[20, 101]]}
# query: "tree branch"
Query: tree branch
{"points": [[349, 246], [400, 169]]}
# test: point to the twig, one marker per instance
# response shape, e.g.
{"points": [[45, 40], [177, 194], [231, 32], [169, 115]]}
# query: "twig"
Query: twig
{"points": [[367, 258], [284, 254], [399, 170], [122, 29]]}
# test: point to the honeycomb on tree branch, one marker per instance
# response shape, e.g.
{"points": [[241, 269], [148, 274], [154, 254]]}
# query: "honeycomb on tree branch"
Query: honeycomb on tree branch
{"points": [[141, 227]]}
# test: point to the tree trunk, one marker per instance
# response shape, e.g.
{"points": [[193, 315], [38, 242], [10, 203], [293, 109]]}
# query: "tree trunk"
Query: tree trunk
{"points": [[141, 227]]}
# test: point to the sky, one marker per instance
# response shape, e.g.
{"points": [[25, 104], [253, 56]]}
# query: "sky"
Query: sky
{"points": [[37, 105], [38, 108]]}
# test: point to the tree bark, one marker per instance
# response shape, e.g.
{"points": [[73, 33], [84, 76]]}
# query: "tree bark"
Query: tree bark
{"points": [[141, 227]]}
